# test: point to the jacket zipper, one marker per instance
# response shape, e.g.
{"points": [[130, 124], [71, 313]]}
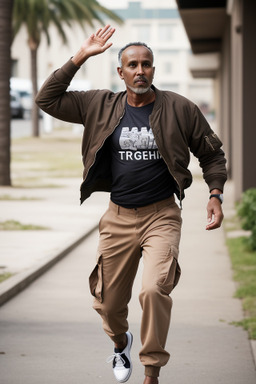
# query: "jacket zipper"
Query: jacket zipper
{"points": [[101, 147], [170, 172], [209, 142], [173, 177]]}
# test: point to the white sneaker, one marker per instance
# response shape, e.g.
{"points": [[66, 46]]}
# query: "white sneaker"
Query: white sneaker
{"points": [[122, 365]]}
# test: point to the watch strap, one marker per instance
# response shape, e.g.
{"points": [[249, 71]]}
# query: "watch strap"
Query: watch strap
{"points": [[218, 196]]}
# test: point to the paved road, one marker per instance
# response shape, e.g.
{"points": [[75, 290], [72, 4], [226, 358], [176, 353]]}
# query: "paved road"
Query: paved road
{"points": [[21, 128], [50, 334]]}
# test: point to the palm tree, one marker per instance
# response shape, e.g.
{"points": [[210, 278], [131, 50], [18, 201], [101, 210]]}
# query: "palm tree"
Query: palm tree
{"points": [[5, 72], [37, 15]]}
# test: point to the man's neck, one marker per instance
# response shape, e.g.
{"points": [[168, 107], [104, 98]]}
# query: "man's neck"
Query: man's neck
{"points": [[139, 100]]}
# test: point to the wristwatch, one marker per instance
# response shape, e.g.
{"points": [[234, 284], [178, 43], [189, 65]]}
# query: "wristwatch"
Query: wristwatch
{"points": [[218, 195]]}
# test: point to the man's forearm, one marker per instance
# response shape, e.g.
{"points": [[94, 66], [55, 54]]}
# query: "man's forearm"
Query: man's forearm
{"points": [[50, 97], [79, 58]]}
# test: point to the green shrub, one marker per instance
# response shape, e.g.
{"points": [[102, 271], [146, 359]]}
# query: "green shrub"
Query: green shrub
{"points": [[247, 212]]}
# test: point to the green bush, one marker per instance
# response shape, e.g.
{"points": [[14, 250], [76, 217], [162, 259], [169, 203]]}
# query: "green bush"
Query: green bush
{"points": [[247, 212]]}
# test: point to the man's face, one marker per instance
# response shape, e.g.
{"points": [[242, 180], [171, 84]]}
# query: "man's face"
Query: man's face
{"points": [[137, 69]]}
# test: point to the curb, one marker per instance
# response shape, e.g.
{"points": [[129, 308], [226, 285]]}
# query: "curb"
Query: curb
{"points": [[17, 283], [253, 347]]}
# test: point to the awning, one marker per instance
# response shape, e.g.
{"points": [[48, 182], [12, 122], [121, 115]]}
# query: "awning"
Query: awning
{"points": [[205, 65], [204, 22]]}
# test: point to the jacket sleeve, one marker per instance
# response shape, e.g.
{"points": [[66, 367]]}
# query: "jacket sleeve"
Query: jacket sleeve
{"points": [[54, 99], [206, 146]]}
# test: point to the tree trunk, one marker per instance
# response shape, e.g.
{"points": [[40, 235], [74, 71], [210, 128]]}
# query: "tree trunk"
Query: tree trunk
{"points": [[5, 73], [35, 110]]}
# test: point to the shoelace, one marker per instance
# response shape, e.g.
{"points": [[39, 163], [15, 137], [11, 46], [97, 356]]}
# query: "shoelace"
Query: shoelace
{"points": [[118, 359]]}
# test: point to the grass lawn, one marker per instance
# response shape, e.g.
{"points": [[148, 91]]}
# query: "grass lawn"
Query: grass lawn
{"points": [[244, 266], [47, 157], [6, 197], [13, 225], [4, 276]]}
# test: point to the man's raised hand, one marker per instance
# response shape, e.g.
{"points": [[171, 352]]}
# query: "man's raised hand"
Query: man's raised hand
{"points": [[97, 43]]}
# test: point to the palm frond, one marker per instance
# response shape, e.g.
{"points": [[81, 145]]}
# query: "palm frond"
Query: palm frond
{"points": [[38, 15]]}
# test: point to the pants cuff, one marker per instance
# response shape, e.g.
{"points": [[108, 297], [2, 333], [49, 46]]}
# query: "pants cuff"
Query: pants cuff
{"points": [[119, 338], [152, 371]]}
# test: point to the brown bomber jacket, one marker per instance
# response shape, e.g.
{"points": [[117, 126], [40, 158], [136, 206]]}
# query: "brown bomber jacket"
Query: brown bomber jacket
{"points": [[177, 124]]}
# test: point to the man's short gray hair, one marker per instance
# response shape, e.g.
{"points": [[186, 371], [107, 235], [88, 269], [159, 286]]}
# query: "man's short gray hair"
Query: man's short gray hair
{"points": [[138, 44]]}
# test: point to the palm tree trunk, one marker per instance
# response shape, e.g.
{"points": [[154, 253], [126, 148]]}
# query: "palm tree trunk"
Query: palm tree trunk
{"points": [[35, 110], [5, 73]]}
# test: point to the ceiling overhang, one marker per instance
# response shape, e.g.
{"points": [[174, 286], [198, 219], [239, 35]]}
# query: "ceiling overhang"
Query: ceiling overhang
{"points": [[204, 22], [204, 66]]}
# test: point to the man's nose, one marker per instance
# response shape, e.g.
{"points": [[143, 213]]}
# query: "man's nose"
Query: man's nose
{"points": [[140, 69]]}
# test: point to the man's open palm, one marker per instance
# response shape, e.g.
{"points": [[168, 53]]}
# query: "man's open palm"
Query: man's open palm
{"points": [[98, 42]]}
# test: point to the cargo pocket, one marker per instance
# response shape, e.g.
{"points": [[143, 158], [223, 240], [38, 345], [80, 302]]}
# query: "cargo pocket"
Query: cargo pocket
{"points": [[170, 273], [96, 281]]}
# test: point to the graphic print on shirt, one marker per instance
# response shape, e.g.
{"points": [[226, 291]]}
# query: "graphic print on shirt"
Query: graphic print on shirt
{"points": [[138, 144], [135, 139]]}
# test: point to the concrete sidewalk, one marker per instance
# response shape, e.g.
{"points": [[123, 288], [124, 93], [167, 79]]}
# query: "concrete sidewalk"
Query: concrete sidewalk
{"points": [[51, 334], [26, 254]]}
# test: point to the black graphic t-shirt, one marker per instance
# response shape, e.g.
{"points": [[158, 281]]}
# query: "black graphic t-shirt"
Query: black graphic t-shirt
{"points": [[140, 175]]}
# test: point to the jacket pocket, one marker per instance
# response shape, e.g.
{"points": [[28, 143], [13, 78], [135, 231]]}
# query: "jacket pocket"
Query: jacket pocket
{"points": [[96, 280], [171, 272], [213, 142]]}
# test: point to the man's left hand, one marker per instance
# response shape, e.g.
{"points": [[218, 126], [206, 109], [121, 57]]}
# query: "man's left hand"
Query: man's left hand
{"points": [[214, 214]]}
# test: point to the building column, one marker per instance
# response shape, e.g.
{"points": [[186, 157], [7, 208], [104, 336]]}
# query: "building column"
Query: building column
{"points": [[249, 94], [243, 90], [226, 98], [237, 98]]}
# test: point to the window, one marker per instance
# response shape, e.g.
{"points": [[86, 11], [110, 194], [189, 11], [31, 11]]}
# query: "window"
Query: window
{"points": [[14, 68], [165, 32], [114, 65], [174, 87], [167, 67], [142, 32]]}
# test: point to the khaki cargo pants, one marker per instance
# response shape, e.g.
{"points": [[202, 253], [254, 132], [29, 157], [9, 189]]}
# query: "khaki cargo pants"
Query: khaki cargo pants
{"points": [[152, 232]]}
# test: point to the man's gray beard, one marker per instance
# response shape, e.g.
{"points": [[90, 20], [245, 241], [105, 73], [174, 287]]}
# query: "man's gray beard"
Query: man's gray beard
{"points": [[139, 91]]}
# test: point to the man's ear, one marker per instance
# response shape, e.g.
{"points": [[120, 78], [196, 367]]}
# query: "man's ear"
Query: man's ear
{"points": [[154, 71], [120, 72]]}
